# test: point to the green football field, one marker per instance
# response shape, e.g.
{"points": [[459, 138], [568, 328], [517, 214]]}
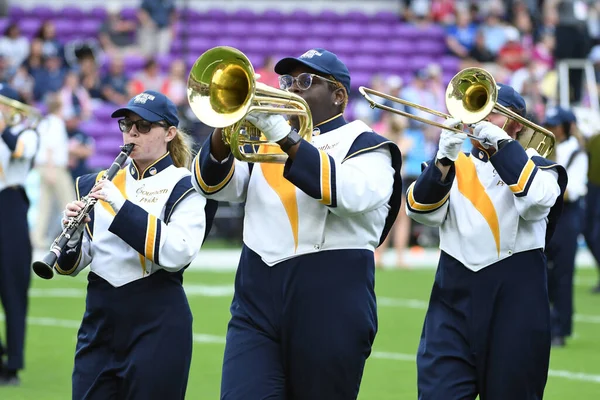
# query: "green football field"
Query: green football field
{"points": [[57, 306]]}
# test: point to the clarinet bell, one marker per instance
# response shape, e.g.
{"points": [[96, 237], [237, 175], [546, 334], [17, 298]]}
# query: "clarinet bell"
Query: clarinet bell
{"points": [[44, 268]]}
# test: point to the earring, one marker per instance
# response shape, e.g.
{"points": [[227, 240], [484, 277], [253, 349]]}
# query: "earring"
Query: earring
{"points": [[336, 103]]}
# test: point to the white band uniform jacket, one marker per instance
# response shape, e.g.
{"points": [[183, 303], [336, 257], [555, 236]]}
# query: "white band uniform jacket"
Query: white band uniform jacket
{"points": [[161, 225], [342, 191], [18, 147], [490, 208]]}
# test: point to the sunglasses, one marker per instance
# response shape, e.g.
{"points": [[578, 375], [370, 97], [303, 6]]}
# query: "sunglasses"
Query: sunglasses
{"points": [[303, 81], [141, 125]]}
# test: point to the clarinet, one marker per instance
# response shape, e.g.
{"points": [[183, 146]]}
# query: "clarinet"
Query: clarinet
{"points": [[45, 267]]}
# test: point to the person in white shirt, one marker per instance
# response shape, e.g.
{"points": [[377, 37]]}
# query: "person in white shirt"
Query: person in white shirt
{"points": [[18, 146], [304, 316], [487, 327], [135, 340], [562, 249], [56, 183]]}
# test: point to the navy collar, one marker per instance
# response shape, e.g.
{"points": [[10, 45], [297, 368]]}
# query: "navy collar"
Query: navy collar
{"points": [[153, 169], [479, 154], [330, 124]]}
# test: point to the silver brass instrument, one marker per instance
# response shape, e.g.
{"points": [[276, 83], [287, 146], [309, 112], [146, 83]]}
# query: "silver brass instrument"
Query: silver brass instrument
{"points": [[471, 96], [20, 113], [45, 267], [222, 90]]}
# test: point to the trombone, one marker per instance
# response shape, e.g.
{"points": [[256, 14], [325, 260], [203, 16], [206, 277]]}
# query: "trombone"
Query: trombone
{"points": [[20, 112], [471, 96], [222, 90]]}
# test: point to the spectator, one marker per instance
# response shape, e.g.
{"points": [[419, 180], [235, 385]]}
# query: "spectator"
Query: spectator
{"points": [[150, 78], [493, 31], [175, 84], [90, 78], [115, 83], [480, 52], [14, 46], [50, 78], [117, 35], [76, 102], [50, 44], [460, 37], [157, 26], [34, 63], [512, 55], [56, 182]]}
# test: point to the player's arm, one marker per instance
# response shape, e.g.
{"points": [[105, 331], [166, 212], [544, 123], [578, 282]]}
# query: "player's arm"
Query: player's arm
{"points": [[23, 145], [217, 175]]}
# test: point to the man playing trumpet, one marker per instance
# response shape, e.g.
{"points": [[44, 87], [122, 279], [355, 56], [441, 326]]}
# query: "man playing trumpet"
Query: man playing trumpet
{"points": [[487, 327]]}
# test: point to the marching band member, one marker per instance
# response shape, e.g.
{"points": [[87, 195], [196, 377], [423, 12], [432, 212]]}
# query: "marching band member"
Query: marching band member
{"points": [[135, 340], [18, 147], [304, 316], [562, 249], [591, 230], [487, 327]]}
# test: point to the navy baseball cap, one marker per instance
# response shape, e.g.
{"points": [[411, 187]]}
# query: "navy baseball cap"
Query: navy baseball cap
{"points": [[508, 97], [151, 106], [321, 60], [9, 92], [557, 116]]}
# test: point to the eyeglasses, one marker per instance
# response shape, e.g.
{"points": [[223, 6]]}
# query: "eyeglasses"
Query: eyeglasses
{"points": [[141, 125], [303, 81]]}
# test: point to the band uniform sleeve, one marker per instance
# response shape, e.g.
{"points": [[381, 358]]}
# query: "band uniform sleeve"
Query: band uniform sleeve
{"points": [[535, 189], [226, 181], [171, 246], [427, 199], [23, 145], [74, 259], [357, 185]]}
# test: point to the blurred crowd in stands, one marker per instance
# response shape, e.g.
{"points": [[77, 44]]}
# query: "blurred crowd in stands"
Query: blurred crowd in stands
{"points": [[519, 42]]}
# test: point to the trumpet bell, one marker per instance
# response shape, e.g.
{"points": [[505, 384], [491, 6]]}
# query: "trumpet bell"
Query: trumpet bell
{"points": [[220, 86], [471, 95]]}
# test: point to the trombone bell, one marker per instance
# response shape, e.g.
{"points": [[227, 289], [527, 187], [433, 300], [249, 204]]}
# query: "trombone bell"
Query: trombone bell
{"points": [[222, 90], [20, 113]]}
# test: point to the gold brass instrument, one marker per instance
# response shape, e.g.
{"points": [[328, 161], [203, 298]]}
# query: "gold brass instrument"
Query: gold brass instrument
{"points": [[471, 96], [222, 90], [20, 112]]}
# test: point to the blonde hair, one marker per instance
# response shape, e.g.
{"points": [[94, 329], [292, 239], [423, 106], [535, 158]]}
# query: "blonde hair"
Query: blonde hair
{"points": [[181, 149]]}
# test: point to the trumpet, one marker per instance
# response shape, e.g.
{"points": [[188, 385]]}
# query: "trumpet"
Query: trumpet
{"points": [[471, 96], [45, 267]]}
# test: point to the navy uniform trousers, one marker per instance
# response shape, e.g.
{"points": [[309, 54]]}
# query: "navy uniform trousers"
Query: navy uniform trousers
{"points": [[301, 329], [135, 341], [486, 333], [15, 272], [561, 253]]}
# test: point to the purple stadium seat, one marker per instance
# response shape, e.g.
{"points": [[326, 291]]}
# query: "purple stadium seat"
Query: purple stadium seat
{"points": [[134, 63], [293, 29], [313, 42], [400, 46], [361, 63], [72, 12], [235, 28], [265, 29], [3, 24], [206, 28], [349, 30], [100, 161], [103, 111], [29, 26], [419, 61], [360, 79], [432, 47], [98, 13], [371, 46], [165, 61], [329, 16], [94, 127], [449, 63], [254, 45], [16, 13], [378, 30], [356, 16], [393, 64], [257, 59], [108, 144], [198, 45], [284, 45], [434, 31], [177, 46], [322, 29], [42, 12], [387, 16], [272, 15], [406, 32], [64, 27], [217, 15], [340, 46], [244, 14], [88, 28], [192, 16], [302, 16]]}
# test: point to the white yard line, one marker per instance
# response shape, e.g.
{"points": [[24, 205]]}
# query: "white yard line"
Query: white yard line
{"points": [[382, 355]]}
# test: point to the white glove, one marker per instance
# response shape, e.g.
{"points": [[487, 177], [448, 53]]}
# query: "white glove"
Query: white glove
{"points": [[274, 126], [451, 142], [107, 191], [490, 132]]}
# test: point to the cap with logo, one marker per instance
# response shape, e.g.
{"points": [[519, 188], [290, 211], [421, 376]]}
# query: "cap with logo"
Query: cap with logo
{"points": [[509, 97], [152, 106], [320, 60], [557, 116]]}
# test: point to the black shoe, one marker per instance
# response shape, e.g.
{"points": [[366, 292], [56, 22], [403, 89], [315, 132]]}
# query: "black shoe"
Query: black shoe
{"points": [[9, 378], [558, 341]]}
